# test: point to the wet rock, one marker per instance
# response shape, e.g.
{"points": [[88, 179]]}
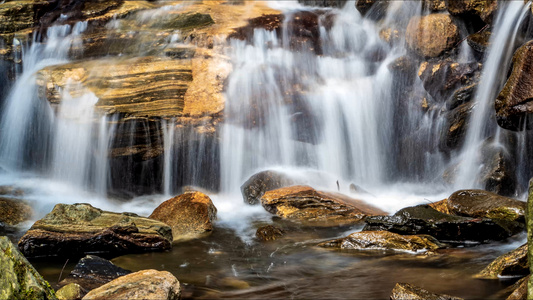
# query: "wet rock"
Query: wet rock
{"points": [[479, 41], [254, 188], [468, 9], [184, 22], [514, 104], [373, 9], [404, 68], [514, 263], [19, 278], [403, 291], [423, 219], [434, 5], [13, 211], [78, 229], [384, 240], [498, 173], [8, 190], [520, 291], [529, 226], [461, 96], [19, 15], [390, 35], [455, 127], [431, 35], [269, 233], [91, 272], [146, 284], [190, 215], [303, 203], [324, 3], [71, 291], [484, 204], [441, 206]]}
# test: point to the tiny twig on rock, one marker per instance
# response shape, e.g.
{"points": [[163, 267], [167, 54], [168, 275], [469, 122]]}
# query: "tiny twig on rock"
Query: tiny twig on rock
{"points": [[61, 273]]}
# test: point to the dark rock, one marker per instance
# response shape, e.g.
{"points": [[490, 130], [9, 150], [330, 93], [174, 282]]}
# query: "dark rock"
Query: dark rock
{"points": [[479, 41], [79, 229], [455, 126], [19, 278], [468, 9], [324, 3], [483, 204], [384, 240], [431, 35], [269, 233], [404, 291], [423, 219], [520, 290], [303, 203], [514, 263], [498, 174], [461, 96], [254, 188], [372, 9], [190, 215], [434, 5], [92, 271], [514, 104], [529, 226]]}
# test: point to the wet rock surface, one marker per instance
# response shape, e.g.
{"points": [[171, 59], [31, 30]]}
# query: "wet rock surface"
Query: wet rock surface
{"points": [[190, 215], [404, 291], [256, 186], [432, 35], [484, 204], [514, 263], [78, 229], [469, 9], [303, 203], [269, 233], [13, 211]]}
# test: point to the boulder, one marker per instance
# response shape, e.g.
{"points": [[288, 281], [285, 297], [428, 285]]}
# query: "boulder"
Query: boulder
{"points": [[373, 9], [190, 215], [71, 291], [91, 272], [404, 291], [514, 104], [13, 211], [256, 186], [146, 284], [269, 233], [514, 263], [430, 36], [19, 278], [467, 9], [483, 204], [423, 219], [303, 203], [384, 240], [78, 229]]}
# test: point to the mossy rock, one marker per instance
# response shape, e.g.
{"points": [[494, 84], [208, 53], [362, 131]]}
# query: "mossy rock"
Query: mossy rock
{"points": [[513, 263]]}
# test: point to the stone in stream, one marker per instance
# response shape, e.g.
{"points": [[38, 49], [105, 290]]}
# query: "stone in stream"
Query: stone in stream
{"points": [[269, 233], [305, 204], [190, 215], [92, 271], [406, 291], [78, 229], [146, 284], [19, 279], [423, 219], [513, 263], [483, 204], [384, 240], [256, 186]]}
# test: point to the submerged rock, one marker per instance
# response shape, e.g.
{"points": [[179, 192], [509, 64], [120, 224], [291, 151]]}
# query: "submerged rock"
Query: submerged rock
{"points": [[514, 263], [92, 271], [19, 279], [146, 284], [78, 229], [483, 204], [269, 233], [303, 203], [256, 186], [423, 219], [190, 215], [384, 240], [404, 291], [432, 35]]}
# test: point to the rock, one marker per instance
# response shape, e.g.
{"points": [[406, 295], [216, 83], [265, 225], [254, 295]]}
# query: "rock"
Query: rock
{"points": [[9, 190], [14, 211], [529, 226], [483, 9], [479, 41], [146, 284], [483, 204], [254, 188], [182, 21], [520, 291], [384, 240], [91, 272], [190, 215], [514, 104], [19, 278], [461, 96], [404, 291], [18, 15], [498, 174], [423, 219], [434, 5], [441, 206], [514, 263], [432, 35], [324, 3], [455, 127], [71, 291], [303, 203], [373, 9], [269, 233], [78, 229]]}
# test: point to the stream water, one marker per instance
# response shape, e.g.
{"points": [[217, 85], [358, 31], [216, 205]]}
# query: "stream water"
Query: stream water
{"points": [[329, 120]]}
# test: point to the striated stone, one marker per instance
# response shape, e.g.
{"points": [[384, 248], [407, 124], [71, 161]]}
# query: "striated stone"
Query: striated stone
{"points": [[71, 291], [484, 9], [514, 263], [384, 240], [484, 204], [190, 215], [432, 35], [78, 229], [303, 203], [91, 272], [423, 219], [146, 284], [405, 291], [268, 233], [514, 104], [19, 278], [256, 186]]}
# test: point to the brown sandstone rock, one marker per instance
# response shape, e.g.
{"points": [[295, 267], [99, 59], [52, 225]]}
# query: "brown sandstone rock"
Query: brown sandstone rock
{"points": [[303, 203], [483, 204], [404, 291], [514, 263], [431, 35], [190, 215]]}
